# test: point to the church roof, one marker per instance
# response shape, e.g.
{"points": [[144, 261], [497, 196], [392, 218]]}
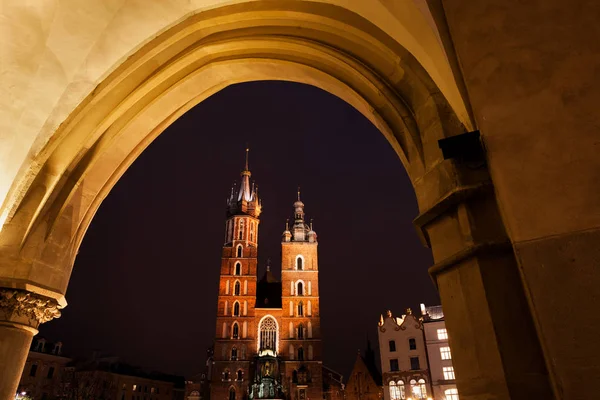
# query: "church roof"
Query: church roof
{"points": [[268, 291]]}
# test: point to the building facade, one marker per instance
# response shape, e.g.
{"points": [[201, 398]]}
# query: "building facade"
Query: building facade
{"points": [[44, 371], [416, 359], [268, 341]]}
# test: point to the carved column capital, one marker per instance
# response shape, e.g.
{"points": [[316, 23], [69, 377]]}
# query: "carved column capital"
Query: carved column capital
{"points": [[23, 307]]}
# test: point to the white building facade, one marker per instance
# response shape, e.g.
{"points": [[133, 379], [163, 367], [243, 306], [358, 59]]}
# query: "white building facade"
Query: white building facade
{"points": [[416, 360]]}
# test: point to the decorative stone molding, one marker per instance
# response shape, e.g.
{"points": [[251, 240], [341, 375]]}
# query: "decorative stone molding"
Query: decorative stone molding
{"points": [[17, 305]]}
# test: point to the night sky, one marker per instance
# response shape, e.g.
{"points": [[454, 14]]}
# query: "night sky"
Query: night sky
{"points": [[144, 285]]}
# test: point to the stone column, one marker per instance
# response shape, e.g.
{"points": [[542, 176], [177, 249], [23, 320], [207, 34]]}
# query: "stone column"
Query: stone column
{"points": [[495, 348], [21, 312]]}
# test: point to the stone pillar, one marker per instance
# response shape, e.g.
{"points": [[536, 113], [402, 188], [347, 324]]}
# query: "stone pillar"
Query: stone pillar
{"points": [[496, 351], [21, 312]]}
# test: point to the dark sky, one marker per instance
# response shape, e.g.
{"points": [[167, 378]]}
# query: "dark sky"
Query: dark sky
{"points": [[144, 285]]}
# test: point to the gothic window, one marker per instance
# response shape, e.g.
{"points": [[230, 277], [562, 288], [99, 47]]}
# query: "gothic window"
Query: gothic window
{"points": [[299, 263], [412, 344], [300, 332], [300, 309], [231, 394], [268, 334], [239, 251], [234, 353], [236, 331], [241, 230], [295, 376], [300, 354], [240, 374], [226, 375], [236, 309], [237, 289], [300, 289]]}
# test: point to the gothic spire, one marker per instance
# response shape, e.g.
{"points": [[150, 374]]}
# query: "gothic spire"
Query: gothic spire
{"points": [[244, 199]]}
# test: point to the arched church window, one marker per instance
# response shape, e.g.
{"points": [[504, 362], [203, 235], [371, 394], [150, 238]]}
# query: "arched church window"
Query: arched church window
{"points": [[236, 331], [300, 309], [241, 230], [239, 251], [231, 393], [299, 263], [234, 353], [300, 354], [236, 309], [268, 334], [300, 289], [240, 375], [226, 375], [238, 268], [300, 332], [237, 289]]}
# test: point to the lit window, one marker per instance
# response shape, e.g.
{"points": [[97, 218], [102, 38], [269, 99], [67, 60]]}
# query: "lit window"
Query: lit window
{"points": [[392, 345], [394, 365], [134, 388], [394, 391], [442, 334], [412, 344], [451, 394], [445, 352], [414, 363], [448, 373], [418, 389], [402, 392]]}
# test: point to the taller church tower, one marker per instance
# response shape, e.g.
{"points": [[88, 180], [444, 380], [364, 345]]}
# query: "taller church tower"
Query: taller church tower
{"points": [[236, 331]]}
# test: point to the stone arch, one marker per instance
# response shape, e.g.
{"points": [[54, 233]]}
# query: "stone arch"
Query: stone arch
{"points": [[47, 213]]}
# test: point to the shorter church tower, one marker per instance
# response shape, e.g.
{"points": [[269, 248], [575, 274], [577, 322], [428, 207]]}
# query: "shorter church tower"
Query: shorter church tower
{"points": [[300, 308]]}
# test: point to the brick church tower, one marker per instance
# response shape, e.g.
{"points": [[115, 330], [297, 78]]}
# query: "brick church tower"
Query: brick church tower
{"points": [[268, 339]]}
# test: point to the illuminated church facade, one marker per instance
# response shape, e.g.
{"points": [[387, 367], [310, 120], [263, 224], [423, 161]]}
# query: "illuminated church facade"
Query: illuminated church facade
{"points": [[268, 339]]}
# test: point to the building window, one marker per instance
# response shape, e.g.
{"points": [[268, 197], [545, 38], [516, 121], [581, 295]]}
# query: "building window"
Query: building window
{"points": [[300, 309], [412, 344], [240, 375], [226, 375], [134, 387], [300, 332], [237, 288], [448, 373], [238, 268], [33, 370], [239, 251], [445, 352], [442, 334], [236, 309], [392, 345], [268, 334], [50, 373], [236, 331], [414, 363], [234, 353], [451, 394], [300, 354], [394, 365], [418, 389], [299, 263], [231, 394], [300, 289]]}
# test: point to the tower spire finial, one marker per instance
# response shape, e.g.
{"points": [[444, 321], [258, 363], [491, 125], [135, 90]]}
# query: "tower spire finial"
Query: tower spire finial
{"points": [[298, 192], [247, 156]]}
